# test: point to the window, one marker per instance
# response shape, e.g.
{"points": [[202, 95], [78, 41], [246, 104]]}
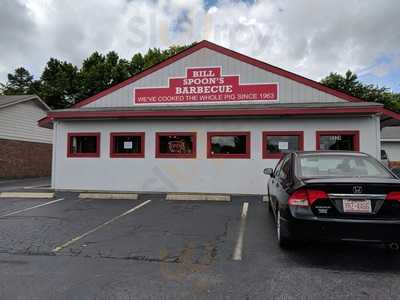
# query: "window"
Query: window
{"points": [[284, 173], [84, 144], [333, 165], [176, 145], [278, 143], [338, 140], [228, 145], [127, 144]]}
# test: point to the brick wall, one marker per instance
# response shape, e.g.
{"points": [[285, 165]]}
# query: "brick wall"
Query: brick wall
{"points": [[24, 159]]}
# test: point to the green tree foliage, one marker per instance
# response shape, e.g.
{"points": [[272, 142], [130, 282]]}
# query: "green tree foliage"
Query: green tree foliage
{"points": [[62, 84], [59, 83], [21, 82], [136, 64], [349, 83], [99, 72]]}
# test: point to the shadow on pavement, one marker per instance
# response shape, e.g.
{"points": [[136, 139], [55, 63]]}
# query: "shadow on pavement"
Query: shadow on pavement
{"points": [[343, 256]]}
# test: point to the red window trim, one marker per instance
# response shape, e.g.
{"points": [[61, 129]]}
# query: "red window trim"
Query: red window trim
{"points": [[74, 134], [228, 133], [114, 154], [170, 155], [354, 133], [265, 134]]}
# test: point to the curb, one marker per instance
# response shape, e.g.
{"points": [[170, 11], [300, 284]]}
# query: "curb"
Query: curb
{"points": [[26, 195], [111, 196], [198, 197]]}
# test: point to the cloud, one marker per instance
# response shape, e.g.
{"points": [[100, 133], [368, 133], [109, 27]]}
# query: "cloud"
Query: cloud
{"points": [[309, 37]]}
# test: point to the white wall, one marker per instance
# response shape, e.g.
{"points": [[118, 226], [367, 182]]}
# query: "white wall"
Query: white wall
{"points": [[19, 122], [187, 175], [392, 150]]}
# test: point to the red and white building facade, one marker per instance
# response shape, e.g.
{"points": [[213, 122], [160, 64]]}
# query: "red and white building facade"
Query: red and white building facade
{"points": [[207, 120]]}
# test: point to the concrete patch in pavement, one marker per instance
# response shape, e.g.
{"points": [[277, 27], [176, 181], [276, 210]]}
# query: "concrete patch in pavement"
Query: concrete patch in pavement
{"points": [[26, 195]]}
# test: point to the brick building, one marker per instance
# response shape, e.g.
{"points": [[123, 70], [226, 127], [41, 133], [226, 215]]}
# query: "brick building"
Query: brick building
{"points": [[25, 148]]}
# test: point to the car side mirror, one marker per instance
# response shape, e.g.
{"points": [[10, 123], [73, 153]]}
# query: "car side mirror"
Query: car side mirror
{"points": [[269, 171]]}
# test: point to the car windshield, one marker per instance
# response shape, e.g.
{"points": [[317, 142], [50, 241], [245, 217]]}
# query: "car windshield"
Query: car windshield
{"points": [[340, 166]]}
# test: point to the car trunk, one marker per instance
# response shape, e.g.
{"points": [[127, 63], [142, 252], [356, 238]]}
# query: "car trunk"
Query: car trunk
{"points": [[355, 198]]}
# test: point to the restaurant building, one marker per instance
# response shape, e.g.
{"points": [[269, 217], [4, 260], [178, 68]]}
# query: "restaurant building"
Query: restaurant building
{"points": [[207, 120]]}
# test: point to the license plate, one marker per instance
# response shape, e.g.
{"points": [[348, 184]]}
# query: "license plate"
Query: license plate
{"points": [[357, 206]]}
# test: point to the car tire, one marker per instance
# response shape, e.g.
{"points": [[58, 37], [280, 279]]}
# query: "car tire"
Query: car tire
{"points": [[285, 241]]}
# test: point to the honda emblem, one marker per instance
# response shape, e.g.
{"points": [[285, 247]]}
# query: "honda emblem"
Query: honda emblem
{"points": [[357, 189]]}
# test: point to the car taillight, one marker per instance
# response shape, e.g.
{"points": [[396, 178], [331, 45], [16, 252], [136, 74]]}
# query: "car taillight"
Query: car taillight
{"points": [[393, 196], [306, 197]]}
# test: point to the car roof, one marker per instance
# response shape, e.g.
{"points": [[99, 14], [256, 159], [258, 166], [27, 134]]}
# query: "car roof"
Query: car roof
{"points": [[335, 152]]}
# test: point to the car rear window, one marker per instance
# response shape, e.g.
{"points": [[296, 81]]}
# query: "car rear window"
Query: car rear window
{"points": [[340, 166]]}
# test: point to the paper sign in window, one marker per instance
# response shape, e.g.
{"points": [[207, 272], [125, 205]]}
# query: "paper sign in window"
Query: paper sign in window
{"points": [[283, 145], [128, 145]]}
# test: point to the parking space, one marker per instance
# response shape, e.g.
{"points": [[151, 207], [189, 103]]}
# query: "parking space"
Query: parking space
{"points": [[167, 231], [157, 230], [39, 230], [10, 205], [187, 247], [161, 230]]}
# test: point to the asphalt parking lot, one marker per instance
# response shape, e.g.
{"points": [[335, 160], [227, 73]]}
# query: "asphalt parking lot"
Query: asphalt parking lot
{"points": [[152, 248]]}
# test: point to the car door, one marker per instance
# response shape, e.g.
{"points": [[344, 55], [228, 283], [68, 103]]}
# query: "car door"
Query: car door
{"points": [[274, 183], [282, 182]]}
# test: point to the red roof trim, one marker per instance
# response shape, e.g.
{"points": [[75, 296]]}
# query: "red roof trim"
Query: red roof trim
{"points": [[228, 52], [210, 113], [214, 113], [390, 113]]}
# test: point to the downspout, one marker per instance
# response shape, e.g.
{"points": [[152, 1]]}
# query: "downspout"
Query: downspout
{"points": [[378, 136], [54, 158]]}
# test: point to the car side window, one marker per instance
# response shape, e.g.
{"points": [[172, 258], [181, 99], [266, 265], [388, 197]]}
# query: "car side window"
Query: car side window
{"points": [[284, 173], [278, 168]]}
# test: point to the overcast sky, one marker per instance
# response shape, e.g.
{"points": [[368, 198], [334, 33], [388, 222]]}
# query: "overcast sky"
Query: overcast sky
{"points": [[309, 37]]}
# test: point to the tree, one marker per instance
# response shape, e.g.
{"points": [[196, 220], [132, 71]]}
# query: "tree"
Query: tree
{"points": [[136, 64], [350, 84], [99, 72], [19, 83], [59, 83], [62, 84]]}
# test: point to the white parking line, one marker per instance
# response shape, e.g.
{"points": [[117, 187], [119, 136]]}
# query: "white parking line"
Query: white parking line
{"points": [[36, 186], [74, 240], [237, 254], [30, 208]]}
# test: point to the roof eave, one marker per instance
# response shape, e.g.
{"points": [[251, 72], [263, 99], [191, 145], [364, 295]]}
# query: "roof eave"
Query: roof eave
{"points": [[28, 98], [198, 113]]}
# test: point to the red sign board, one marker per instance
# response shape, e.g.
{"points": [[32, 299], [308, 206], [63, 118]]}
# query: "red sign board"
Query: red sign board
{"points": [[206, 85]]}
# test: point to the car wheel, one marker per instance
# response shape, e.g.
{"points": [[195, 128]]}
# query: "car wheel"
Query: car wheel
{"points": [[284, 241]]}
